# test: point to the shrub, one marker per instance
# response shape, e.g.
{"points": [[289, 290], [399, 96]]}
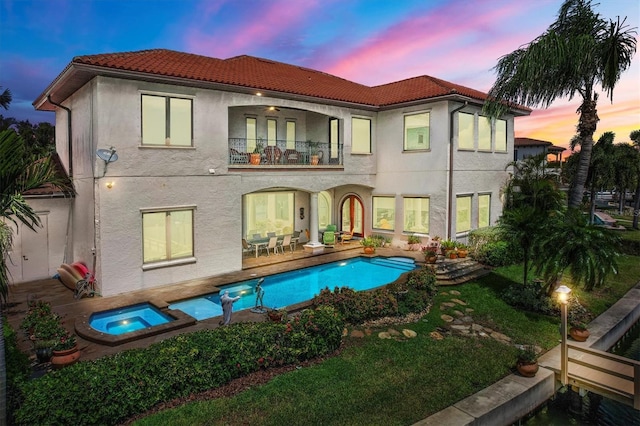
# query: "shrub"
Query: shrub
{"points": [[423, 279], [133, 381], [530, 297], [498, 253], [359, 306], [17, 370]]}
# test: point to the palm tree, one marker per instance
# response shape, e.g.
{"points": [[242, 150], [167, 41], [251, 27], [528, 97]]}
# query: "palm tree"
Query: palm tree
{"points": [[5, 98], [635, 138], [579, 51], [626, 171]]}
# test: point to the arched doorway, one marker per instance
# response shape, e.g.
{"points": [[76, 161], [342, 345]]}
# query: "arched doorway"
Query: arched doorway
{"points": [[352, 215]]}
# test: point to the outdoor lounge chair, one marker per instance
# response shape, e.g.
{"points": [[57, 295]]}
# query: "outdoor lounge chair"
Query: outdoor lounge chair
{"points": [[273, 154], [273, 245], [329, 239], [286, 241], [346, 237]]}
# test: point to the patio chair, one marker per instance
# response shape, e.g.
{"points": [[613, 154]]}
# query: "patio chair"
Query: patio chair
{"points": [[333, 228], [286, 241], [329, 239], [346, 237], [273, 245], [257, 236], [246, 247], [271, 234], [237, 157], [273, 154], [291, 156]]}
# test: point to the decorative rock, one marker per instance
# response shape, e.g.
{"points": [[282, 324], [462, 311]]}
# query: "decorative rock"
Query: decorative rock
{"points": [[345, 332], [500, 337], [454, 292], [444, 293], [460, 327], [409, 333], [459, 302], [446, 318], [384, 335], [458, 313], [467, 319], [357, 333], [393, 332], [436, 336], [476, 327], [468, 310], [447, 304]]}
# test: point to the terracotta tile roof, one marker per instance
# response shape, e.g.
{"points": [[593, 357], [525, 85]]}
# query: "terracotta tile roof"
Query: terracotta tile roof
{"points": [[530, 142], [251, 73]]}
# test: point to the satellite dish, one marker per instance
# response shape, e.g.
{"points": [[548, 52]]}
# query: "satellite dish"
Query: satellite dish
{"points": [[108, 155]]}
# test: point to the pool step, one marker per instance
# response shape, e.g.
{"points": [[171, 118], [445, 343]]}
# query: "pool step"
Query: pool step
{"points": [[394, 263]]}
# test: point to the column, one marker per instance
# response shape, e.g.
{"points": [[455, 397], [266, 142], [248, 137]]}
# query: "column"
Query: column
{"points": [[313, 246]]}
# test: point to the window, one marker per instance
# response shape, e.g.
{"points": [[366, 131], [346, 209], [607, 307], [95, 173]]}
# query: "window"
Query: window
{"points": [[501, 135], [416, 215], [463, 213], [484, 133], [291, 135], [272, 132], [484, 210], [466, 130], [324, 209], [361, 135], [166, 121], [251, 133], [416, 131], [167, 235], [334, 139], [269, 212], [384, 212]]}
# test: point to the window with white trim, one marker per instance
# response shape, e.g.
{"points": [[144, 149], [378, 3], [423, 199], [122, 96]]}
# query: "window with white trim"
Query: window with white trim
{"points": [[360, 135], [416, 214], [167, 121], [501, 135], [291, 135], [416, 131], [272, 132], [384, 213], [251, 133], [466, 130], [463, 213], [484, 133], [484, 210], [167, 235]]}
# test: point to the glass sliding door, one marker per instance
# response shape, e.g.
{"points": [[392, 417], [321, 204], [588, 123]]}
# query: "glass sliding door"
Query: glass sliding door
{"points": [[352, 216]]}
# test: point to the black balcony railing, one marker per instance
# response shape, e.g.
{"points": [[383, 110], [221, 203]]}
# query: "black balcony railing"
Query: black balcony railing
{"points": [[285, 153]]}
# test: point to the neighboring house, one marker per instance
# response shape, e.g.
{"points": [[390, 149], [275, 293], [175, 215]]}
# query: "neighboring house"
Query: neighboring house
{"points": [[527, 147], [37, 254], [414, 156]]}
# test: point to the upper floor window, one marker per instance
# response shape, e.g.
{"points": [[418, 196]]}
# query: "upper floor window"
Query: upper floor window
{"points": [[384, 212], [360, 135], [416, 131], [272, 132], [251, 132], [167, 235], [501, 135], [166, 121], [484, 133], [416, 215], [466, 130], [484, 203], [334, 137], [291, 135]]}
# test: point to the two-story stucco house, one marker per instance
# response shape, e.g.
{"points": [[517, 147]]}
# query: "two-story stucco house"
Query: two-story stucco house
{"points": [[413, 156]]}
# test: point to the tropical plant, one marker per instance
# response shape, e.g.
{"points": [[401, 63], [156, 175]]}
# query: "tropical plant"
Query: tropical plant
{"points": [[578, 51], [588, 252], [259, 146], [527, 354], [413, 239], [626, 172], [369, 242], [635, 138], [448, 245]]}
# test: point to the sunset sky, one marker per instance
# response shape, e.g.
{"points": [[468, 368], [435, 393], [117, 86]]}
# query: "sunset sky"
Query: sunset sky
{"points": [[371, 42]]}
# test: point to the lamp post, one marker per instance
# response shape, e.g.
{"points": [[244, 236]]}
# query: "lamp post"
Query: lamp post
{"points": [[563, 297]]}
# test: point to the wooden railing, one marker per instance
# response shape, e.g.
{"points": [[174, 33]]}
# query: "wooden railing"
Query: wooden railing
{"points": [[609, 375]]}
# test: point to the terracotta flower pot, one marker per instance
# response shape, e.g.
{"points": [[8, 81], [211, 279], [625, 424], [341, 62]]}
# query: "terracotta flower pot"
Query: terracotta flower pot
{"points": [[66, 357], [462, 254], [579, 335], [527, 369], [255, 159], [315, 159], [369, 250]]}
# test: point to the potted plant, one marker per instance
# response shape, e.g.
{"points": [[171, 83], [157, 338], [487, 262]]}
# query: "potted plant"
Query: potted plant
{"points": [[527, 364], [579, 332], [463, 250], [256, 155], [448, 248], [369, 245], [276, 315], [430, 254], [414, 242], [313, 152]]}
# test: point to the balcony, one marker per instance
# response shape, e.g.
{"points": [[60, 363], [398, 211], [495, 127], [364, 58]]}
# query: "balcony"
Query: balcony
{"points": [[284, 154]]}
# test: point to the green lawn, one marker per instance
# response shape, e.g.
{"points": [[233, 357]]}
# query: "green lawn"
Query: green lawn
{"points": [[392, 382]]}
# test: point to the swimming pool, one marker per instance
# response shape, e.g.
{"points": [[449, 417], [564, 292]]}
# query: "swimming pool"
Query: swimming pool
{"points": [[128, 319], [289, 288]]}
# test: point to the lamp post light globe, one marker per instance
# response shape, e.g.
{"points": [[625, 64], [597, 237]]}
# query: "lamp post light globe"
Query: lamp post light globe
{"points": [[563, 297], [563, 294]]}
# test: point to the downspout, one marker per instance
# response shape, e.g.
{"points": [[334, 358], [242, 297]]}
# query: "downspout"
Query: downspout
{"points": [[450, 192], [69, 147]]}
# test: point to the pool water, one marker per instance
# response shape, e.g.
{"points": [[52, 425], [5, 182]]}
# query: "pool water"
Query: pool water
{"points": [[289, 288], [125, 320]]}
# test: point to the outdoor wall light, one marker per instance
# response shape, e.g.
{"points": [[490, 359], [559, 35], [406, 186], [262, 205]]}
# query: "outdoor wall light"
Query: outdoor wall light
{"points": [[110, 185], [301, 212]]}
